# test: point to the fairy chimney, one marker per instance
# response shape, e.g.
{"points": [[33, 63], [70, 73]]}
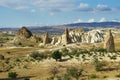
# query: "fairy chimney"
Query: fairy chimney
{"points": [[46, 39], [109, 42], [65, 37]]}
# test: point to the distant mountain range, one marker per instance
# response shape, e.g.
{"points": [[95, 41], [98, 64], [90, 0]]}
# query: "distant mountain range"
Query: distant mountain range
{"points": [[60, 28], [96, 24]]}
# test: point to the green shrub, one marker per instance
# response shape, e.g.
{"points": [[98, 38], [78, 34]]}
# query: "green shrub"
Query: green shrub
{"points": [[57, 55], [12, 75], [105, 76], [20, 44], [74, 72], [26, 79], [118, 75], [98, 50], [65, 51], [99, 64], [38, 56], [50, 78], [54, 71], [31, 45], [93, 76]]}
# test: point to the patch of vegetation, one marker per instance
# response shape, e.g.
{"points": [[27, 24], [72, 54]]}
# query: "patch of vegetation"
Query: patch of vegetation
{"points": [[118, 75], [99, 64], [93, 76], [74, 72], [38, 56], [54, 71], [57, 55], [12, 75]]}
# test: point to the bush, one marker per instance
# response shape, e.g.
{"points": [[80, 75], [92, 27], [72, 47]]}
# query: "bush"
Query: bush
{"points": [[38, 56], [20, 44], [118, 75], [65, 51], [74, 72], [57, 55], [98, 50], [26, 79], [99, 64], [54, 71], [105, 76], [12, 75], [93, 76]]}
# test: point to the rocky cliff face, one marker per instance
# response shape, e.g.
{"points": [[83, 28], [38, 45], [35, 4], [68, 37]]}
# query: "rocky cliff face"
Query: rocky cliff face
{"points": [[93, 36], [79, 35], [109, 42], [76, 35]]}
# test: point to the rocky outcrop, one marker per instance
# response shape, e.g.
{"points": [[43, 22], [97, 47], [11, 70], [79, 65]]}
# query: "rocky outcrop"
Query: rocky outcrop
{"points": [[24, 33], [54, 41], [46, 39], [79, 35], [93, 36], [76, 34], [35, 39], [109, 42], [65, 37]]}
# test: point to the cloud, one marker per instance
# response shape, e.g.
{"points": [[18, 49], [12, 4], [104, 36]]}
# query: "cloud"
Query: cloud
{"points": [[91, 20], [33, 10], [84, 7], [101, 7], [52, 14], [116, 20], [103, 19], [78, 21], [14, 4], [53, 5]]}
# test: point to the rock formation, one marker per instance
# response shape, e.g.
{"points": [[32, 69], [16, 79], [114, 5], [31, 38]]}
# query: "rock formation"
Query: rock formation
{"points": [[65, 37], [75, 35], [79, 35], [54, 40], [35, 39], [93, 36], [24, 33], [109, 42], [46, 39]]}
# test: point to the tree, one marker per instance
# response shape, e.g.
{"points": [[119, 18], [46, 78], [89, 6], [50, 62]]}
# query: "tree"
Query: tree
{"points": [[57, 55]]}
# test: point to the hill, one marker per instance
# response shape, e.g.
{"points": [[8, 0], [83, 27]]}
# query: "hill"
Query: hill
{"points": [[60, 28]]}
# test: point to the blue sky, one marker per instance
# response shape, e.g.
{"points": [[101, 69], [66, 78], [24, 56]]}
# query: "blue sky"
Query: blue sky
{"points": [[17, 13]]}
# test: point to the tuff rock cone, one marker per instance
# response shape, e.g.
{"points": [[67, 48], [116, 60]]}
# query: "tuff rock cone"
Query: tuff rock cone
{"points": [[24, 33], [65, 37], [109, 42], [46, 39]]}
